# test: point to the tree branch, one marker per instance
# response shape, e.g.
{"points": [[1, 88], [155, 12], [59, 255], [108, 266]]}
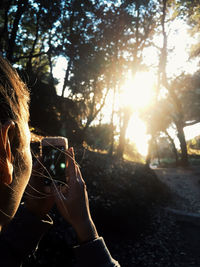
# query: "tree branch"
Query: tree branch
{"points": [[97, 111], [191, 123], [27, 56]]}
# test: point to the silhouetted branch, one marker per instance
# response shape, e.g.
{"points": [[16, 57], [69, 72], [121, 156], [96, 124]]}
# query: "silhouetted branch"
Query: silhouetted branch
{"points": [[27, 56]]}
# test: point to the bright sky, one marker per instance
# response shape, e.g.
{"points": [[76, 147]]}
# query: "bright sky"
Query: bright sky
{"points": [[180, 41], [190, 132], [138, 92], [136, 132], [59, 72]]}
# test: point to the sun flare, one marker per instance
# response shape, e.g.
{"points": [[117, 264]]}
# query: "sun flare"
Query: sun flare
{"points": [[136, 132], [138, 91]]}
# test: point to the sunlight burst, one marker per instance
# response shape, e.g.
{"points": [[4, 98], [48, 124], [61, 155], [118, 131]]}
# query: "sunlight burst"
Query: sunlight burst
{"points": [[138, 91], [136, 132]]}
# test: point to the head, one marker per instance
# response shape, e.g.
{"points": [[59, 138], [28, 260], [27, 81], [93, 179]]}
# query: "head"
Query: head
{"points": [[15, 156]]}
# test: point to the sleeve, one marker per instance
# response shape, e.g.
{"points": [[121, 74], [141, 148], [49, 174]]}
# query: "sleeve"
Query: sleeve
{"points": [[94, 253], [21, 237]]}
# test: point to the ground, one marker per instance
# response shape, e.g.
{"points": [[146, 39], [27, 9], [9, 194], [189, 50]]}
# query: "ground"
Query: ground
{"points": [[185, 185], [121, 193], [174, 237]]}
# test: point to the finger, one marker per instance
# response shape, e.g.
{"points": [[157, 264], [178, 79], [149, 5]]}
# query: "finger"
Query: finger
{"points": [[79, 174], [60, 201], [56, 193], [68, 156], [72, 166], [60, 191]]}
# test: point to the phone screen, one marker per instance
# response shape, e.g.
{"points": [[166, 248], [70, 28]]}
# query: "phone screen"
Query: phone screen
{"points": [[54, 160]]}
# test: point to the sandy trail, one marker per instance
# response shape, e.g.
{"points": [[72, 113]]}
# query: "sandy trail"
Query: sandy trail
{"points": [[185, 183]]}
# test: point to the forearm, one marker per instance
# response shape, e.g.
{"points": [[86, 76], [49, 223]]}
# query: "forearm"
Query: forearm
{"points": [[86, 231]]}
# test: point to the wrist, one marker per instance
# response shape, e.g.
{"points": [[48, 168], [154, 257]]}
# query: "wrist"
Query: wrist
{"points": [[86, 231]]}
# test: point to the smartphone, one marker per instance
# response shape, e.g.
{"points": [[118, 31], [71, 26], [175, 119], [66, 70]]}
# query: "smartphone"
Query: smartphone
{"points": [[53, 150]]}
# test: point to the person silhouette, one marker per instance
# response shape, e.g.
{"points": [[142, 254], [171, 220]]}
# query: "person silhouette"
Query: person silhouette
{"points": [[22, 228]]}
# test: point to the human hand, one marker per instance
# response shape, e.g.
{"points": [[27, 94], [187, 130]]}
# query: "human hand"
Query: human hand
{"points": [[38, 197], [73, 204]]}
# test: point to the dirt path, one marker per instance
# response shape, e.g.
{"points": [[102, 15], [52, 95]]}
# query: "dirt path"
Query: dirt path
{"points": [[173, 241], [185, 184]]}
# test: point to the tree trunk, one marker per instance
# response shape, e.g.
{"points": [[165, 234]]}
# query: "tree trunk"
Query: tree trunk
{"points": [[177, 104], [69, 64], [183, 145], [112, 123], [22, 5], [4, 30], [29, 62], [50, 58], [148, 157], [66, 79], [173, 147], [122, 138], [157, 151]]}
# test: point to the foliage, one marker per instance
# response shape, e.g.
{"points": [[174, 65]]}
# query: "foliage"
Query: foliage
{"points": [[194, 143], [162, 148], [99, 136], [189, 10], [131, 153], [101, 42]]}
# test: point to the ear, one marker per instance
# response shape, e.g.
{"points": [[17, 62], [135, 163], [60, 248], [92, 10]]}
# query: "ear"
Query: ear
{"points": [[6, 166]]}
